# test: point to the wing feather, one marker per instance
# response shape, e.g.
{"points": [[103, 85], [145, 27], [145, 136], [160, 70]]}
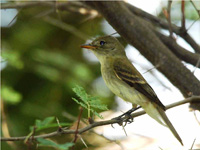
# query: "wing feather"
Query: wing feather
{"points": [[126, 72]]}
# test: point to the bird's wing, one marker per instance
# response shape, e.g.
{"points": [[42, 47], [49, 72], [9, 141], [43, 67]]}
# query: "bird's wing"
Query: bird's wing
{"points": [[126, 72]]}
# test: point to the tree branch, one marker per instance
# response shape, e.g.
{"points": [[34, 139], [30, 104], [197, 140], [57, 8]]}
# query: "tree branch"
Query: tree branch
{"points": [[72, 6], [66, 27], [138, 33], [183, 15], [79, 119], [198, 11], [67, 6], [179, 51], [100, 123], [178, 30], [169, 18], [25, 5]]}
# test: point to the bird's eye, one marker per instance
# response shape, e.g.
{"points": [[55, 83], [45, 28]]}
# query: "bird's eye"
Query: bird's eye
{"points": [[102, 43]]}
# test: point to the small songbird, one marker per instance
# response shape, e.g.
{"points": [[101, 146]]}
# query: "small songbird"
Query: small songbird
{"points": [[123, 79]]}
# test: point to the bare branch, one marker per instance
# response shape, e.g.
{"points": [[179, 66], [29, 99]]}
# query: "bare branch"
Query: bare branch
{"points": [[79, 119], [180, 52], [100, 123], [133, 29], [77, 5], [197, 65], [183, 14], [192, 144], [72, 6], [25, 4], [169, 18], [192, 24], [164, 25], [66, 27], [198, 121], [198, 11]]}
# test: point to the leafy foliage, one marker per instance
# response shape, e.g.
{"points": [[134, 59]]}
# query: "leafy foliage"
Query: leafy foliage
{"points": [[13, 59], [46, 123], [44, 142], [40, 65], [88, 102], [10, 95]]}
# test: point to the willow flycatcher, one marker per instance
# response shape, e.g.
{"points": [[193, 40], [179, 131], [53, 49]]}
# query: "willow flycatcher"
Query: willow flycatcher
{"points": [[123, 79]]}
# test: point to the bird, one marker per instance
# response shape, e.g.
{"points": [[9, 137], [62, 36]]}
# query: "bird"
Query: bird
{"points": [[123, 79]]}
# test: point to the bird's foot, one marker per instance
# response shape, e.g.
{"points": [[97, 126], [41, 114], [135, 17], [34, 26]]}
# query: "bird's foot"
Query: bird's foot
{"points": [[126, 117]]}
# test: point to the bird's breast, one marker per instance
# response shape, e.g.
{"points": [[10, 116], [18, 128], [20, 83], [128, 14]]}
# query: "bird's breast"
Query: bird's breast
{"points": [[115, 84], [119, 87]]}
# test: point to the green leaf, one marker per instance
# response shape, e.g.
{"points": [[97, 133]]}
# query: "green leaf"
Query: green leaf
{"points": [[10, 95], [43, 124], [88, 102], [80, 103], [96, 103], [44, 142], [98, 115], [47, 123], [80, 92]]}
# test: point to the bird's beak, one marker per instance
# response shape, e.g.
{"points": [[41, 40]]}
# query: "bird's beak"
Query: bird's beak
{"points": [[88, 46]]}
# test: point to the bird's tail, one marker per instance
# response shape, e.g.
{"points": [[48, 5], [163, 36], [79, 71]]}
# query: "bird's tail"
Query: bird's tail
{"points": [[159, 115], [169, 124]]}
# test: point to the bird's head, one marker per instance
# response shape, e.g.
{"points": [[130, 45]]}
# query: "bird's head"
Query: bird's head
{"points": [[105, 46]]}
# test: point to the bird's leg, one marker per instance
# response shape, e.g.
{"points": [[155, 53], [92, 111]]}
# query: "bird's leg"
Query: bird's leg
{"points": [[126, 117]]}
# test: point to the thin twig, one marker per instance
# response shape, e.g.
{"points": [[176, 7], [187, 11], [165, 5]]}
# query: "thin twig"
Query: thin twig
{"points": [[76, 132], [9, 5], [192, 24], [73, 118], [197, 65], [43, 13], [110, 140], [100, 123], [83, 141], [169, 18], [187, 100], [4, 125], [195, 115], [66, 27], [183, 14], [159, 22], [149, 70], [71, 6], [14, 18], [182, 53], [193, 144], [123, 127], [198, 11], [154, 75]]}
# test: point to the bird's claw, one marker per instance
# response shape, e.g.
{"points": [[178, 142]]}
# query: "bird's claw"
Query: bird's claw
{"points": [[125, 118]]}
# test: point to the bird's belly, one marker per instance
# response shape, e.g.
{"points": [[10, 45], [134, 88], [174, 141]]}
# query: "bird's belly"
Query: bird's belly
{"points": [[123, 90]]}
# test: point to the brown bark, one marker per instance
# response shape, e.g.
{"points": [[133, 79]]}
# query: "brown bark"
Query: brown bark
{"points": [[138, 34], [179, 51], [155, 20]]}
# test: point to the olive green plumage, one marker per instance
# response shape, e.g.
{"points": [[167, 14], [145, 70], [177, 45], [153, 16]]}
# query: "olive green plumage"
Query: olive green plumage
{"points": [[123, 79]]}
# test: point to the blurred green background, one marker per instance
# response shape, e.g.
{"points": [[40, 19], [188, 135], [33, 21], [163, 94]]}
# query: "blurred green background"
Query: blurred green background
{"points": [[41, 63]]}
